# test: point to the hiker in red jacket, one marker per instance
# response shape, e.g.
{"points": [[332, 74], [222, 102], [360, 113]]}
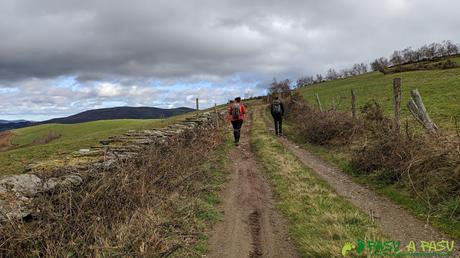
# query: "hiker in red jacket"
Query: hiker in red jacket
{"points": [[237, 111]]}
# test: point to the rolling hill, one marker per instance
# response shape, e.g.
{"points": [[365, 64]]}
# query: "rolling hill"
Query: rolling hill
{"points": [[11, 121], [440, 90], [102, 114], [30, 144], [119, 113], [9, 125]]}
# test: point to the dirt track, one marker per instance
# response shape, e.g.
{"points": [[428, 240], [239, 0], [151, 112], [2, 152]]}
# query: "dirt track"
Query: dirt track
{"points": [[251, 226], [5, 140], [393, 220]]}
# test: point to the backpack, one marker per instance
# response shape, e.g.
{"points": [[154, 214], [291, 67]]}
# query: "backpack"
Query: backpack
{"points": [[236, 111], [276, 109]]}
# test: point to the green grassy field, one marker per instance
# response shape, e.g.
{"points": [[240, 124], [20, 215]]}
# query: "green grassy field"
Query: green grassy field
{"points": [[440, 90], [73, 137]]}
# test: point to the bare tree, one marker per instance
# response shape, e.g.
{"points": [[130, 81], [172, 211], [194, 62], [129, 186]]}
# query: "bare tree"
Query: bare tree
{"points": [[363, 68], [319, 78], [280, 87], [380, 64], [331, 74], [436, 49], [355, 70], [396, 58], [425, 52], [305, 81], [443, 49], [344, 73], [409, 55], [450, 47]]}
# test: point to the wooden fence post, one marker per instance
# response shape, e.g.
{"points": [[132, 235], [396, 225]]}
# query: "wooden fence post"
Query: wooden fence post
{"points": [[353, 104], [319, 103], [397, 102], [418, 110], [197, 106], [217, 115]]}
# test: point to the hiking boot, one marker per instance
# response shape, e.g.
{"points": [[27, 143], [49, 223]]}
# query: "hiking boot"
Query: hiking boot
{"points": [[237, 144]]}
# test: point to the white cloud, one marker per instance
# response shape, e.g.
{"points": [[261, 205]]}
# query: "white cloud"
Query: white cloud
{"points": [[106, 89]]}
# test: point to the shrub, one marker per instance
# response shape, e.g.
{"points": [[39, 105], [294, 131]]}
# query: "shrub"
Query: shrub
{"points": [[50, 136], [448, 64], [428, 165], [323, 128]]}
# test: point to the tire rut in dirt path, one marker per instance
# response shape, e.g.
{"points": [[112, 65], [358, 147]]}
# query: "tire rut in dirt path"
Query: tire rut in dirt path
{"points": [[251, 226], [393, 220]]}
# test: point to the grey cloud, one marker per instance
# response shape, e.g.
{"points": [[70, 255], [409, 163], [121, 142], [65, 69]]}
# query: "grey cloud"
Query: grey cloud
{"points": [[137, 42], [179, 39]]}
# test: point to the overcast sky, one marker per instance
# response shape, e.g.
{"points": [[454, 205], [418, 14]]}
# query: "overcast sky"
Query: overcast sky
{"points": [[62, 57]]}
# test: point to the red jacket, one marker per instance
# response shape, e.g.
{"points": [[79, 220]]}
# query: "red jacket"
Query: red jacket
{"points": [[242, 112]]}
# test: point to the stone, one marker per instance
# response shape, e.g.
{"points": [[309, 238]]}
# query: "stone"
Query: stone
{"points": [[50, 184], [83, 151], [2, 190], [64, 181], [12, 210], [88, 152], [71, 180], [24, 184]]}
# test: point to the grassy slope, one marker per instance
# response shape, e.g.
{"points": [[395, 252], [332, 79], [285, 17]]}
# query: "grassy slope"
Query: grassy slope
{"points": [[320, 221], [73, 137], [440, 91]]}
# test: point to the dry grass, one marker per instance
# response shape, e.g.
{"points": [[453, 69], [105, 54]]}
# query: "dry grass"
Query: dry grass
{"points": [[428, 165], [47, 138], [330, 127], [148, 207]]}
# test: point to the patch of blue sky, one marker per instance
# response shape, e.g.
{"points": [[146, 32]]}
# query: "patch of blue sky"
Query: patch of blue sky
{"points": [[8, 90], [65, 82]]}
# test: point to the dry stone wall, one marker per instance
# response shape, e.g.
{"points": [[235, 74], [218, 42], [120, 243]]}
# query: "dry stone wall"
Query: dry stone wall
{"points": [[17, 192]]}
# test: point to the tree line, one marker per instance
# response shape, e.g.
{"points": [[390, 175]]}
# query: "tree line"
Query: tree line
{"points": [[408, 55]]}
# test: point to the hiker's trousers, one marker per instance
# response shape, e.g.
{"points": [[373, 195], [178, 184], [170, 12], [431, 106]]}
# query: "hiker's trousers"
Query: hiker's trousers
{"points": [[278, 124], [237, 129]]}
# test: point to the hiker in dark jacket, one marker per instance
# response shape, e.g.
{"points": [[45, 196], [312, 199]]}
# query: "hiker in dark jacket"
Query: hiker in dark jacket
{"points": [[277, 110], [236, 112]]}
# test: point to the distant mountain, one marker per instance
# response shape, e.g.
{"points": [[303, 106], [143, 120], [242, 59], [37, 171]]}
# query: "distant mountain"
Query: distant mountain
{"points": [[14, 125], [102, 114], [12, 121], [119, 113]]}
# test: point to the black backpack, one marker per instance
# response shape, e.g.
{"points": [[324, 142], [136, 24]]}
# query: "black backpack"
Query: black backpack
{"points": [[276, 108]]}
